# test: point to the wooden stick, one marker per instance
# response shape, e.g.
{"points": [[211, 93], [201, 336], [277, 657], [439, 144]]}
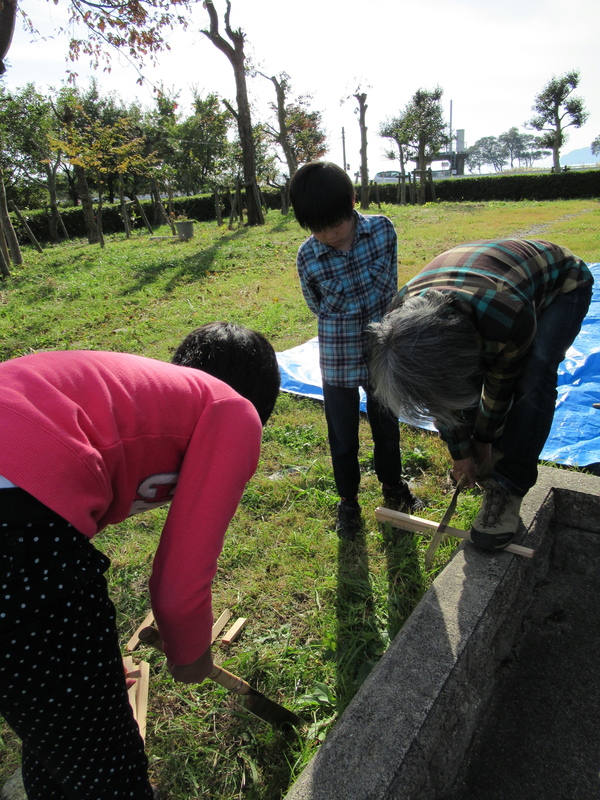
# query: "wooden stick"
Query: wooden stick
{"points": [[143, 685], [138, 693], [234, 631], [220, 624], [135, 639], [408, 522], [134, 642]]}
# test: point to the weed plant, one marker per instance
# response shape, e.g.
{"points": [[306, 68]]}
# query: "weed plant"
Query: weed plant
{"points": [[320, 611]]}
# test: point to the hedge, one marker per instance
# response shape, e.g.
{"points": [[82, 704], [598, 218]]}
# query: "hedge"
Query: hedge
{"points": [[561, 186], [547, 186]]}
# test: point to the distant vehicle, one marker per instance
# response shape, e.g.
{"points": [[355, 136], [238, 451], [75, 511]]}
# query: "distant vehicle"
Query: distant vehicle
{"points": [[387, 177]]}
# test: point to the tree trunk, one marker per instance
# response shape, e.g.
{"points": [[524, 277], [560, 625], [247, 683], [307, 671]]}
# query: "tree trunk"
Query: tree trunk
{"points": [[4, 254], [54, 213], [283, 138], [422, 170], [99, 216], [237, 59], [9, 232], [364, 170], [8, 12], [124, 211], [83, 191], [160, 215]]}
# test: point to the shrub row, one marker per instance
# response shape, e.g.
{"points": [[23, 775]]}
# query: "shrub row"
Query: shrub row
{"points": [[562, 186], [200, 207]]}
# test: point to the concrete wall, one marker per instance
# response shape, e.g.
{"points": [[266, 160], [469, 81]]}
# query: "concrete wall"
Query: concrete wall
{"points": [[407, 730]]}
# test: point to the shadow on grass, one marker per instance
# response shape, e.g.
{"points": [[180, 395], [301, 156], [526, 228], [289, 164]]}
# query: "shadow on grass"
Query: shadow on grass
{"points": [[406, 585], [188, 268], [359, 642]]}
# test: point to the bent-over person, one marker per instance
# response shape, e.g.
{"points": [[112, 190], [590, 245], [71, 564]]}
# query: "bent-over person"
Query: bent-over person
{"points": [[474, 341]]}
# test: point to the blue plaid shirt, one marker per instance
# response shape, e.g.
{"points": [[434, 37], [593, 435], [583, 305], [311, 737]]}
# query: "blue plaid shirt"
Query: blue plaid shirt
{"points": [[347, 291]]}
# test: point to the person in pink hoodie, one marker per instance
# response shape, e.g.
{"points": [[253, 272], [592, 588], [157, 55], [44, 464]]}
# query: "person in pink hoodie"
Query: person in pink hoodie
{"points": [[88, 439]]}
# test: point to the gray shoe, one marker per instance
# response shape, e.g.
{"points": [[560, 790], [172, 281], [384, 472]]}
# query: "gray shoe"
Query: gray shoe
{"points": [[496, 524]]}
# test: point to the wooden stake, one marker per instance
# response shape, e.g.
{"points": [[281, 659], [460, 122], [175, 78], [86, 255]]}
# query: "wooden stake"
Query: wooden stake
{"points": [[148, 622], [234, 631], [28, 230], [220, 624], [410, 523], [138, 693], [133, 643]]}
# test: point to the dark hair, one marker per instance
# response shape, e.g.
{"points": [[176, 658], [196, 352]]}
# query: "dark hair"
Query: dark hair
{"points": [[426, 360], [322, 195], [238, 356]]}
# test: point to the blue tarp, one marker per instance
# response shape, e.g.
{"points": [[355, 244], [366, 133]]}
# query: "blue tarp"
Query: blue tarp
{"points": [[575, 435]]}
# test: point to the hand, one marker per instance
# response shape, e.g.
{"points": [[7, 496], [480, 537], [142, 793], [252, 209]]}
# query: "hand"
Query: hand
{"points": [[129, 682], [467, 467], [195, 672]]}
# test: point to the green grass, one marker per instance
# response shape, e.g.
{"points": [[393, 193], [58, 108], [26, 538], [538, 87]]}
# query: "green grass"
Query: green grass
{"points": [[320, 611]]}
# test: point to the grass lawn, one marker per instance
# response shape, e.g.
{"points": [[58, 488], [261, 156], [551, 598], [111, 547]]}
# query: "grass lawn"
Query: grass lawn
{"points": [[320, 611]]}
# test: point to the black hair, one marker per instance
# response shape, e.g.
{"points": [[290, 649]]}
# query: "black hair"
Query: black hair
{"points": [[238, 356], [322, 195]]}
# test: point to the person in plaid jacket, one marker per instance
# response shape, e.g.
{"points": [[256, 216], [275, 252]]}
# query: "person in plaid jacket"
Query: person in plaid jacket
{"points": [[474, 341], [348, 270]]}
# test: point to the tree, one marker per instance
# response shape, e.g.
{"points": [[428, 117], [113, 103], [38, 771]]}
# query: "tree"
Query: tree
{"points": [[361, 99], [298, 130], [556, 109], [531, 150], [8, 13], [595, 146], [201, 145], [234, 50], [31, 167], [398, 131], [512, 141], [487, 150], [134, 27], [100, 149], [427, 130]]}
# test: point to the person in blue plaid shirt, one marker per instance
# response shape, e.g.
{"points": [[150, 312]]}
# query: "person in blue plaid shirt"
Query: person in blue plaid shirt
{"points": [[348, 271], [475, 341]]}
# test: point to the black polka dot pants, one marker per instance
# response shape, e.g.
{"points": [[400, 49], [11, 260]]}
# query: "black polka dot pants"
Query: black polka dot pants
{"points": [[62, 686]]}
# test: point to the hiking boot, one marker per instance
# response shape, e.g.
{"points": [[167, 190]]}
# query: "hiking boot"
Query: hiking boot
{"points": [[496, 524], [348, 519], [400, 498]]}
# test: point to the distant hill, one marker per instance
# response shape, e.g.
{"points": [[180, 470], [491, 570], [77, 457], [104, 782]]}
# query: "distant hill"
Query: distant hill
{"points": [[582, 156]]}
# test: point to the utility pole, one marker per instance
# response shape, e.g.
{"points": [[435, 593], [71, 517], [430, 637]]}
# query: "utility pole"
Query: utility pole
{"points": [[344, 148]]}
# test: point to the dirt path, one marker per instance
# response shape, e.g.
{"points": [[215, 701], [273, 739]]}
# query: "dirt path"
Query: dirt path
{"points": [[535, 230]]}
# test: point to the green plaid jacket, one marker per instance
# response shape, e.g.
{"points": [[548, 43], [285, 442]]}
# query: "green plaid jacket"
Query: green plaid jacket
{"points": [[503, 286]]}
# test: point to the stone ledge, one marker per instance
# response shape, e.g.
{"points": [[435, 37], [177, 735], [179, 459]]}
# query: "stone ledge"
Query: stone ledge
{"points": [[407, 730]]}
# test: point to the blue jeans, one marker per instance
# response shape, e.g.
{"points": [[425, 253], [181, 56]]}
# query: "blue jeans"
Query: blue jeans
{"points": [[530, 416], [342, 412]]}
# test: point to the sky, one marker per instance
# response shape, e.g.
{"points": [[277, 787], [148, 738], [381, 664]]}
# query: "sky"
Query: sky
{"points": [[491, 59]]}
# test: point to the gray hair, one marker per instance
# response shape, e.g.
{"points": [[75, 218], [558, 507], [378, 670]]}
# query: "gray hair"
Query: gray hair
{"points": [[426, 360]]}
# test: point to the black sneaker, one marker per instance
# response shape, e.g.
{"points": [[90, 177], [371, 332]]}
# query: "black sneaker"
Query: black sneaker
{"points": [[400, 498], [348, 519]]}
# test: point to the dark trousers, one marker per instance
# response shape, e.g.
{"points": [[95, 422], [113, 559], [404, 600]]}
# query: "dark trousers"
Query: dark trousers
{"points": [[530, 416], [342, 412], [62, 685]]}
